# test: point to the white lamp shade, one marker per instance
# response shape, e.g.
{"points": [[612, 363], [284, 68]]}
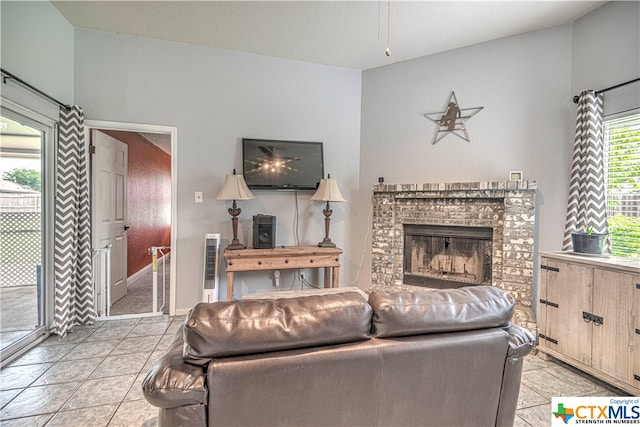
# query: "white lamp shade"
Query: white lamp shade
{"points": [[328, 191], [234, 188]]}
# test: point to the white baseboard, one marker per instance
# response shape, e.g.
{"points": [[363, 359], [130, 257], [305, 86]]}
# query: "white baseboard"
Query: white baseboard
{"points": [[147, 269], [182, 311], [132, 316]]}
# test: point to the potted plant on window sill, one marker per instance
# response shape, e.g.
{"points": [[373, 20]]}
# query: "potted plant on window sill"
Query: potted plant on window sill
{"points": [[588, 242]]}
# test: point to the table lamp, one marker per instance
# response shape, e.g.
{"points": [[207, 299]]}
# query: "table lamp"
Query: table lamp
{"points": [[327, 191], [235, 188]]}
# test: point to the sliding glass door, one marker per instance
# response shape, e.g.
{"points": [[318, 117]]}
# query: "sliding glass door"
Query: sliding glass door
{"points": [[25, 197]]}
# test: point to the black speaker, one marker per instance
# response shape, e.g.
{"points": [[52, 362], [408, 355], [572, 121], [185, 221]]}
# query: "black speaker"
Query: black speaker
{"points": [[264, 231]]}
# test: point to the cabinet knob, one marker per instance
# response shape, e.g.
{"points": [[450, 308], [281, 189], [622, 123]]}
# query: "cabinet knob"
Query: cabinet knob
{"points": [[259, 262]]}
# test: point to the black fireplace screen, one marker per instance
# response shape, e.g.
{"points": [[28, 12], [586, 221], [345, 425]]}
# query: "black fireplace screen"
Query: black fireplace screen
{"points": [[447, 256]]}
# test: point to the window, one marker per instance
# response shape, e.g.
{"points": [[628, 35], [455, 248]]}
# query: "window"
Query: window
{"points": [[26, 194], [622, 176]]}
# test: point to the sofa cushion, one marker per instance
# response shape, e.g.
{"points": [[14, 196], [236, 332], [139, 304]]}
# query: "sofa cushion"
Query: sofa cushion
{"points": [[306, 292], [405, 313], [254, 326]]}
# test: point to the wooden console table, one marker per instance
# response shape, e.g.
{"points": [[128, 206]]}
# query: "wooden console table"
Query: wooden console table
{"points": [[283, 258]]}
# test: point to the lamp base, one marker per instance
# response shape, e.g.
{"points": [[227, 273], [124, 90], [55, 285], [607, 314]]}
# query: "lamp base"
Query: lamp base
{"points": [[326, 243], [235, 244]]}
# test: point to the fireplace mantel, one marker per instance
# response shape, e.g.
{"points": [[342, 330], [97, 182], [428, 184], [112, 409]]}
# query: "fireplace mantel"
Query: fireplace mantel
{"points": [[507, 207], [465, 189]]}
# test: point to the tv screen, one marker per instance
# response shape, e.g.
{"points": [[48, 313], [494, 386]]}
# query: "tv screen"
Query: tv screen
{"points": [[282, 165]]}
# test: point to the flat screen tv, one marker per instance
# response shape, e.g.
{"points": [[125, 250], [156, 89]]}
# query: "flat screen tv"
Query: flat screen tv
{"points": [[282, 165]]}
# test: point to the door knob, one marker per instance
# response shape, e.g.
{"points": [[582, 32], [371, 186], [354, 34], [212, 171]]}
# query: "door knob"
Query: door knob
{"points": [[126, 227]]}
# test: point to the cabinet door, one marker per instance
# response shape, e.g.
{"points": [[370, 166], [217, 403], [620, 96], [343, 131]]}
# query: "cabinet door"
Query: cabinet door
{"points": [[541, 312], [613, 340], [568, 295], [635, 375]]}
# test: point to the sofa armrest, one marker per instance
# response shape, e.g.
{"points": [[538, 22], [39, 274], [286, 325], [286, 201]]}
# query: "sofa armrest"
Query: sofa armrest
{"points": [[174, 383], [521, 341]]}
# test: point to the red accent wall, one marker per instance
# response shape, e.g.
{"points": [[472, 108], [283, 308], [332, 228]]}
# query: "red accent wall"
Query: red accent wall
{"points": [[149, 198]]}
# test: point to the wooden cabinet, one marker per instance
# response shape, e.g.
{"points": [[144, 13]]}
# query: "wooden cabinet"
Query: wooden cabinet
{"points": [[589, 315], [636, 346]]}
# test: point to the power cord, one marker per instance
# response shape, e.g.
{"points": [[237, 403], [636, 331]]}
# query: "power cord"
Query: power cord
{"points": [[304, 282], [296, 222], [366, 239], [293, 281]]}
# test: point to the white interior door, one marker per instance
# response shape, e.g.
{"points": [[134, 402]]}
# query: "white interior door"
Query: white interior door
{"points": [[109, 206]]}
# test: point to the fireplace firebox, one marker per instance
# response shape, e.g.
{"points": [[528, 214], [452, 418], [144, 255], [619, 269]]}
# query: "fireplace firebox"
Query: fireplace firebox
{"points": [[442, 256]]}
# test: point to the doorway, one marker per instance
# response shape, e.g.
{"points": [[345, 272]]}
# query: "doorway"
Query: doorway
{"points": [[145, 219]]}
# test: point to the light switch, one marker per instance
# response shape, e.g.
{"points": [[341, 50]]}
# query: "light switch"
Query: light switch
{"points": [[199, 197]]}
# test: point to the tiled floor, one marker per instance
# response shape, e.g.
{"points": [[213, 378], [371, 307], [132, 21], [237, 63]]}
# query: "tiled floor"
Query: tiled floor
{"points": [[542, 380], [18, 313], [139, 298], [93, 377]]}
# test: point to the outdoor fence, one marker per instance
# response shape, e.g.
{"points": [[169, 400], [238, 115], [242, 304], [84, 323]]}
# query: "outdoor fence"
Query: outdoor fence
{"points": [[20, 248], [623, 204]]}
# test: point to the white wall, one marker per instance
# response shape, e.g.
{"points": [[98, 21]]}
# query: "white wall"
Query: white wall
{"points": [[215, 98], [606, 47], [525, 84], [606, 53], [37, 46]]}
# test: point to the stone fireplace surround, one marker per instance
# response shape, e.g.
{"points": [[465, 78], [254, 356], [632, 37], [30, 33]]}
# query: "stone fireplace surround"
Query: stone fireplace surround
{"points": [[507, 207]]}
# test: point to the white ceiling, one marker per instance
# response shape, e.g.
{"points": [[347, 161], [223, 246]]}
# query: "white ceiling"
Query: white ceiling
{"points": [[351, 34]]}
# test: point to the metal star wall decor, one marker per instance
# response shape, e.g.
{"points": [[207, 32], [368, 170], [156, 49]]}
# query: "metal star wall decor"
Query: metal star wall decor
{"points": [[452, 120]]}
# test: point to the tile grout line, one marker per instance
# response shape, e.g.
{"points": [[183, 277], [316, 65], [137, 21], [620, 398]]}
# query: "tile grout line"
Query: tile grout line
{"points": [[31, 384], [120, 402], [139, 373], [82, 382]]}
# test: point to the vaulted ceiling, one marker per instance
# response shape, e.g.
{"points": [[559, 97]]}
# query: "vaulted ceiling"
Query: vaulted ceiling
{"points": [[351, 34]]}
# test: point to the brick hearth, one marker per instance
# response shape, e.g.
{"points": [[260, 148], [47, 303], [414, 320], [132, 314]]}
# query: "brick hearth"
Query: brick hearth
{"points": [[507, 207]]}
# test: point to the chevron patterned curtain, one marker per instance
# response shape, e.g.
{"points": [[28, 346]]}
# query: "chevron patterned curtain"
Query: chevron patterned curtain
{"points": [[72, 247], [587, 199]]}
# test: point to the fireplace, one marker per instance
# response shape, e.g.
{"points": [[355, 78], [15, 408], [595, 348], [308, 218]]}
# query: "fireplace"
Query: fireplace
{"points": [[437, 256], [439, 235]]}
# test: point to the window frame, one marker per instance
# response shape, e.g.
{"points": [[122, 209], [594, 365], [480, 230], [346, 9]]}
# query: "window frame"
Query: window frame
{"points": [[632, 117], [49, 127]]}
